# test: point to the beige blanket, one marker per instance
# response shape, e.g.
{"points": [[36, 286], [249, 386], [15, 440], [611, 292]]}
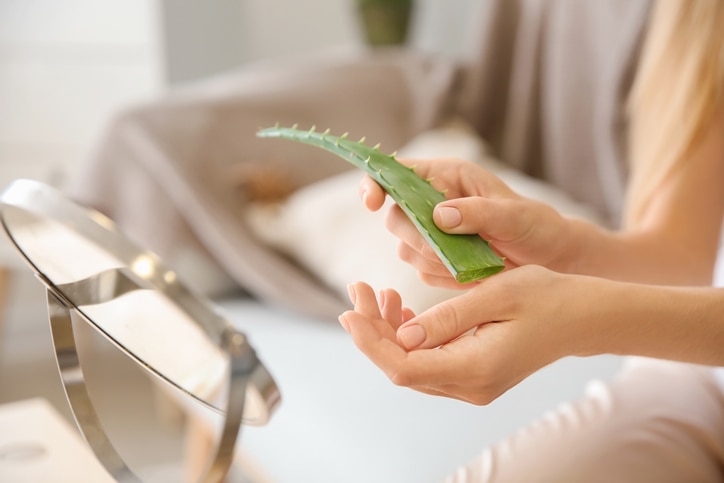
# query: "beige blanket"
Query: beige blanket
{"points": [[545, 86]]}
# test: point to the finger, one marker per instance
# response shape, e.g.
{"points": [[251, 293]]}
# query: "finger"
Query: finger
{"points": [[364, 300], [423, 264], [445, 321], [459, 178], [371, 193], [390, 303], [496, 219], [407, 314], [397, 223], [371, 338], [367, 305]]}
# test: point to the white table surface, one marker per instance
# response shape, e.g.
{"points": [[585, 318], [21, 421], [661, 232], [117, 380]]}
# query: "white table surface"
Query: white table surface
{"points": [[38, 445]]}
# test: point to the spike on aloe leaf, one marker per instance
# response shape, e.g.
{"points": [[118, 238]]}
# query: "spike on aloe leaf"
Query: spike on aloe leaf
{"points": [[468, 257]]}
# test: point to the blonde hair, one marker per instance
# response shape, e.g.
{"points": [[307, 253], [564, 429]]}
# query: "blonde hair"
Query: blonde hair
{"points": [[678, 88]]}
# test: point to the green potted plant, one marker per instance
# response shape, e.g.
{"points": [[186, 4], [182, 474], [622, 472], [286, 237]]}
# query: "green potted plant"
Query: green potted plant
{"points": [[385, 22]]}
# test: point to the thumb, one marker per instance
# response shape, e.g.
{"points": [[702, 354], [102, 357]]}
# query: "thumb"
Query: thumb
{"points": [[495, 218], [441, 323]]}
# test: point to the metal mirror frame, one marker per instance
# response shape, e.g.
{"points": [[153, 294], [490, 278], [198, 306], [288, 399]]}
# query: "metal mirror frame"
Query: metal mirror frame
{"points": [[247, 377]]}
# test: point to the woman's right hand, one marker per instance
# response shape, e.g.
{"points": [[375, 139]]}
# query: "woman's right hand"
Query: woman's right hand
{"points": [[521, 230]]}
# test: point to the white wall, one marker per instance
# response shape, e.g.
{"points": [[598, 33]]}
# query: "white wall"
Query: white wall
{"points": [[67, 66], [283, 27], [446, 26], [274, 28], [201, 38], [64, 67]]}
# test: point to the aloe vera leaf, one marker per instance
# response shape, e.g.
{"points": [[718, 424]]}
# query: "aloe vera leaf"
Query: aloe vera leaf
{"points": [[468, 257]]}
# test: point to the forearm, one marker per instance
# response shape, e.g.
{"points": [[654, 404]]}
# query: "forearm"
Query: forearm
{"points": [[682, 324], [674, 238], [640, 256]]}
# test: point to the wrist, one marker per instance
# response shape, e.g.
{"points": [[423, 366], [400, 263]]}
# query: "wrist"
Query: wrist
{"points": [[574, 239], [598, 307]]}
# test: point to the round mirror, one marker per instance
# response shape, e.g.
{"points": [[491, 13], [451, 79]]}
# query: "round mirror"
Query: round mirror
{"points": [[95, 276]]}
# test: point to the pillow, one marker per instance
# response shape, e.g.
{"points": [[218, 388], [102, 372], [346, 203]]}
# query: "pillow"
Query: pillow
{"points": [[326, 229]]}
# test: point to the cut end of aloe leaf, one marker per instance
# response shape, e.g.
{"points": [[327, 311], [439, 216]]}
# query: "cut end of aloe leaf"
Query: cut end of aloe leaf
{"points": [[470, 276]]}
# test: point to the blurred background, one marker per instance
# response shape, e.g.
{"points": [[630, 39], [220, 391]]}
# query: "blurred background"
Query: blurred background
{"points": [[67, 67]]}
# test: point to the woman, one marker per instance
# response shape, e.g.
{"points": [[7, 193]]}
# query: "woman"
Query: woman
{"points": [[659, 421]]}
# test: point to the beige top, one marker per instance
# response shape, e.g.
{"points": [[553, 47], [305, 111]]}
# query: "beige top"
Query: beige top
{"points": [[546, 87]]}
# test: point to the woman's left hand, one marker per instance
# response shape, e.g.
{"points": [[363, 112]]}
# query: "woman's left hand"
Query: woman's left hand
{"points": [[476, 346]]}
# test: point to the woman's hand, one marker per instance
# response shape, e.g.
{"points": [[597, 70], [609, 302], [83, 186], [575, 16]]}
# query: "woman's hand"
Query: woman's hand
{"points": [[519, 229], [476, 346]]}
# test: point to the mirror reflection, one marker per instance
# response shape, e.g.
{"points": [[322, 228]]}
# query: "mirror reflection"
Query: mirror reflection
{"points": [[157, 410], [142, 321]]}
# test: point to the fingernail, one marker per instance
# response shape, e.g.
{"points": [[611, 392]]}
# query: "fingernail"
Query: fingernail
{"points": [[352, 293], [412, 336], [343, 321], [363, 195], [449, 217]]}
